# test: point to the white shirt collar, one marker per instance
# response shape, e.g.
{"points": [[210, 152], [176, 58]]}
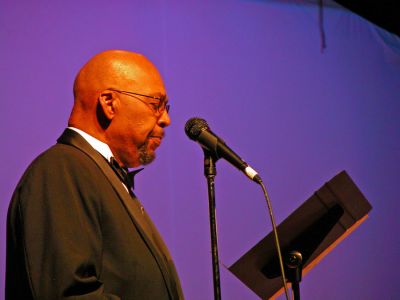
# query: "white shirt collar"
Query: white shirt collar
{"points": [[98, 145]]}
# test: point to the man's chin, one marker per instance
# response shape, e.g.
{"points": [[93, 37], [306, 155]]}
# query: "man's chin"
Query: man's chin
{"points": [[146, 156]]}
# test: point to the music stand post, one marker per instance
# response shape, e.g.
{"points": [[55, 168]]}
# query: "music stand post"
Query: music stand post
{"points": [[294, 265]]}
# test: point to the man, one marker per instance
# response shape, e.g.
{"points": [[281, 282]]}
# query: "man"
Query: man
{"points": [[75, 228]]}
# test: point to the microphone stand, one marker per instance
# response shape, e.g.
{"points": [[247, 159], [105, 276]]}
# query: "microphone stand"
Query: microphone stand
{"points": [[210, 172]]}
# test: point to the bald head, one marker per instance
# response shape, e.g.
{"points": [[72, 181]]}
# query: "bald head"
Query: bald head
{"points": [[113, 68], [116, 69]]}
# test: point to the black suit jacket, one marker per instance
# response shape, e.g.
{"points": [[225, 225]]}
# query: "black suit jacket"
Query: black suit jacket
{"points": [[74, 231]]}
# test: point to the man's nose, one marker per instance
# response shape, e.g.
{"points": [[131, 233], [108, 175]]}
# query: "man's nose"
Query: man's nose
{"points": [[164, 119]]}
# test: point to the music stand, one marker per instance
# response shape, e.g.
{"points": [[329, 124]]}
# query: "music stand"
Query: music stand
{"points": [[314, 229]]}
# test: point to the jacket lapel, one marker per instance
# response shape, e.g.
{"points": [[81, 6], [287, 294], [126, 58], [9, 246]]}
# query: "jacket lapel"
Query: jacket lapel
{"points": [[139, 218]]}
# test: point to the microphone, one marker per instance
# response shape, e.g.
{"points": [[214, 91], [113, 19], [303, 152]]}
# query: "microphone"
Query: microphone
{"points": [[198, 130]]}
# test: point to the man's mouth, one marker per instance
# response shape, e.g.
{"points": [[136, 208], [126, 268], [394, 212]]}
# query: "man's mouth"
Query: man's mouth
{"points": [[158, 135], [155, 140]]}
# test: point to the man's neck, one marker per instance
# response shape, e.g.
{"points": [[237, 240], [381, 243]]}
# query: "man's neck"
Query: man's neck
{"points": [[98, 145]]}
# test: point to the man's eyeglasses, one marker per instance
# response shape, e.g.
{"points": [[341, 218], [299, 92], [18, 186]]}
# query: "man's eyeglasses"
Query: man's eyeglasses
{"points": [[158, 107]]}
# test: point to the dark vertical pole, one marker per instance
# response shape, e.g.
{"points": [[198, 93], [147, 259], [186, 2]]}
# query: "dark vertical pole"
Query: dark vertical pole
{"points": [[294, 264], [210, 172]]}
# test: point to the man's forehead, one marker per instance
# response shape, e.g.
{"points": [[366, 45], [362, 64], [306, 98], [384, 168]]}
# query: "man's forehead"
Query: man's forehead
{"points": [[132, 71], [146, 81]]}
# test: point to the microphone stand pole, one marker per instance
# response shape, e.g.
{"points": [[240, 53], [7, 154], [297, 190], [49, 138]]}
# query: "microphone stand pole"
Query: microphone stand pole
{"points": [[210, 171]]}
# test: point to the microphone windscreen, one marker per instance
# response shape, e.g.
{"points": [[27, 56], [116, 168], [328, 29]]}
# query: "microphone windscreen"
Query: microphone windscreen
{"points": [[194, 127]]}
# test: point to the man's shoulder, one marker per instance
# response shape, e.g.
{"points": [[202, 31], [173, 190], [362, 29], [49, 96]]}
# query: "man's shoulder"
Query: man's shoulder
{"points": [[60, 160], [61, 154]]}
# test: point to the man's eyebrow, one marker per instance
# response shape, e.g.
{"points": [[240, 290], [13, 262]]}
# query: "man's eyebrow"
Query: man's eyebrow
{"points": [[160, 96]]}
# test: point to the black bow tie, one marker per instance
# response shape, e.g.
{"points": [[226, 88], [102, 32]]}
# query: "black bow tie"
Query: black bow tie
{"points": [[126, 177]]}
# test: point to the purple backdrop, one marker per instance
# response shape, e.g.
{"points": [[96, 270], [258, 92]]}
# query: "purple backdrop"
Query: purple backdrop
{"points": [[256, 72]]}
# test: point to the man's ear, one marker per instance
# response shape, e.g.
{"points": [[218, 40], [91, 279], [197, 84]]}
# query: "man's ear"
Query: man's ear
{"points": [[107, 104]]}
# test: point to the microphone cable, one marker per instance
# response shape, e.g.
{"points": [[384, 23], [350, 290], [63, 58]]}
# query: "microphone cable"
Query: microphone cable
{"points": [[278, 248]]}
